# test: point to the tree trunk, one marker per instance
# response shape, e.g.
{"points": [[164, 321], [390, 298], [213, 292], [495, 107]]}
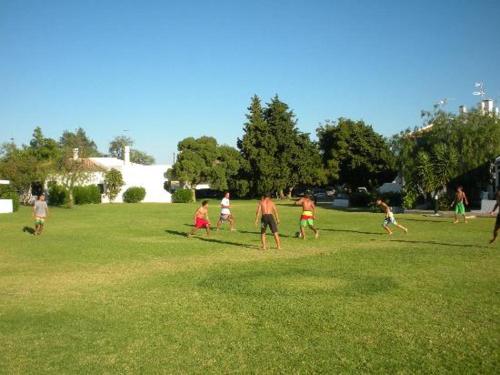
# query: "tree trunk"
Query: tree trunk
{"points": [[193, 192], [69, 203], [290, 190]]}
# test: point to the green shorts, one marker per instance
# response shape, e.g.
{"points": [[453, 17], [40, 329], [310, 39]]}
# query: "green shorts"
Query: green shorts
{"points": [[39, 220], [460, 208], [306, 222]]}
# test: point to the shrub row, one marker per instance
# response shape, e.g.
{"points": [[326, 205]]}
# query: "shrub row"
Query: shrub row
{"points": [[182, 196], [81, 195]]}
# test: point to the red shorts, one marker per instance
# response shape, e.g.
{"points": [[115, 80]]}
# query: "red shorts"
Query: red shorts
{"points": [[201, 223]]}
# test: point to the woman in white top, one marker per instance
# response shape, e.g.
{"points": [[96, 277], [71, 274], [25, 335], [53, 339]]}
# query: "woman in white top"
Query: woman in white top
{"points": [[225, 212]]}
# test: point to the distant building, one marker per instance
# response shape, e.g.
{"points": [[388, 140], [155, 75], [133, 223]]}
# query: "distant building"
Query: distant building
{"points": [[150, 177]]}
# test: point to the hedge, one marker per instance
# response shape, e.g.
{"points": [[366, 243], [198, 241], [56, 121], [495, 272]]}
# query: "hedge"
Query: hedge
{"points": [[6, 192], [87, 194], [134, 194], [57, 195], [182, 196]]}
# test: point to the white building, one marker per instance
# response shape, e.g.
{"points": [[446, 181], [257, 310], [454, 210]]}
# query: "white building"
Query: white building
{"points": [[150, 177]]}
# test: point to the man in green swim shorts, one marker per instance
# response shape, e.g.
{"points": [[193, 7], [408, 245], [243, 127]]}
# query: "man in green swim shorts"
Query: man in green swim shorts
{"points": [[459, 202], [308, 215]]}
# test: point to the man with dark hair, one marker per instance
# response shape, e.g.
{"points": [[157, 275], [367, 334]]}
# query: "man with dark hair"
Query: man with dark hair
{"points": [[497, 223], [40, 214], [308, 215], [268, 213], [459, 202], [201, 219]]}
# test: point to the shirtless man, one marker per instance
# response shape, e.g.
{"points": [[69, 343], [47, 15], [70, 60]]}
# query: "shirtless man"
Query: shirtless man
{"points": [[497, 223], [268, 213], [225, 213], [458, 202], [389, 217], [308, 216], [201, 219]]}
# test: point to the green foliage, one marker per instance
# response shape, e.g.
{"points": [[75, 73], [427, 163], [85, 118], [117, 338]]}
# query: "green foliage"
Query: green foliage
{"points": [[87, 194], [79, 139], [454, 148], [141, 157], [202, 160], [182, 196], [409, 197], [7, 192], [354, 154], [134, 194], [117, 147], [276, 155], [57, 195], [113, 182]]}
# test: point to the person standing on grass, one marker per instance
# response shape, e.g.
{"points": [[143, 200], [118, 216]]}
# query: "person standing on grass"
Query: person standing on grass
{"points": [[225, 213], [40, 214], [308, 215], [389, 217], [497, 223], [268, 213], [201, 219], [459, 202]]}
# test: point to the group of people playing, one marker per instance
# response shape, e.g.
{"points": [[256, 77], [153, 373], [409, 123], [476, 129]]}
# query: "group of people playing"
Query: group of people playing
{"points": [[267, 212]]}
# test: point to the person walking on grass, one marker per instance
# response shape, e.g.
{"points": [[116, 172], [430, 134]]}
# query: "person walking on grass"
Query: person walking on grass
{"points": [[40, 214], [308, 215], [201, 219], [459, 202], [268, 213], [225, 213], [389, 217], [497, 223]]}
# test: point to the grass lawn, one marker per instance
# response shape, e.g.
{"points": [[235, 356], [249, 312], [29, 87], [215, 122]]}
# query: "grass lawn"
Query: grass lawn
{"points": [[120, 289]]}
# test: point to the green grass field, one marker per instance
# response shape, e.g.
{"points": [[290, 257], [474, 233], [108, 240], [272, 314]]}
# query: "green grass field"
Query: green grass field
{"points": [[120, 289]]}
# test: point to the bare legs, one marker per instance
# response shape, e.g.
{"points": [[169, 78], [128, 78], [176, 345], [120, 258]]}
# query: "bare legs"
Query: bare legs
{"points": [[303, 231], [389, 231], [263, 240], [231, 223], [194, 230]]}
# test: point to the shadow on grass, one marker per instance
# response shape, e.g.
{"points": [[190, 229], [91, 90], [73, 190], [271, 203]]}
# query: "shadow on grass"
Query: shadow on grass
{"points": [[440, 243], [352, 231], [29, 230], [208, 239], [255, 232], [442, 221]]}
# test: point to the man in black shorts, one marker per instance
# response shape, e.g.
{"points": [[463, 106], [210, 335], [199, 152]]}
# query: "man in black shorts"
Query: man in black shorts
{"points": [[497, 223], [268, 213]]}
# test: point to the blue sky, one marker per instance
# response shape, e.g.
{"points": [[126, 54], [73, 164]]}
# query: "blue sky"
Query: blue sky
{"points": [[166, 70]]}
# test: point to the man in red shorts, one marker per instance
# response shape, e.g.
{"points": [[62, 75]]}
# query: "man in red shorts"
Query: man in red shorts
{"points": [[201, 219]]}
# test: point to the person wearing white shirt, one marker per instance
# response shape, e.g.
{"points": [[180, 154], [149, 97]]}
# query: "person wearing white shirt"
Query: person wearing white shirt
{"points": [[225, 212]]}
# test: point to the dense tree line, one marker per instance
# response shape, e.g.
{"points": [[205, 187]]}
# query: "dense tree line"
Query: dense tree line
{"points": [[273, 155], [451, 150]]}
